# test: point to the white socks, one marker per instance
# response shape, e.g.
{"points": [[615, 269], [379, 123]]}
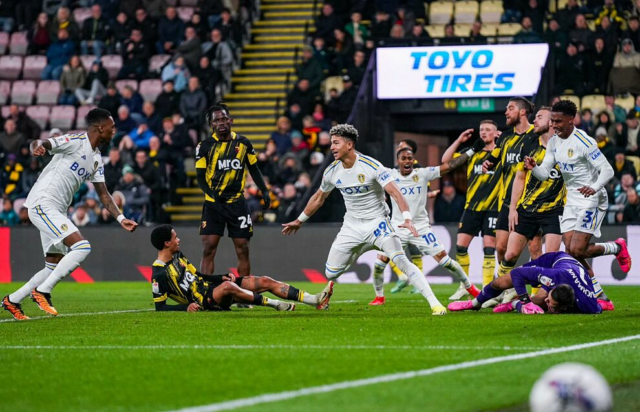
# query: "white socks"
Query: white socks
{"points": [[78, 253], [456, 270], [610, 248], [378, 277], [35, 281], [417, 278], [309, 299]]}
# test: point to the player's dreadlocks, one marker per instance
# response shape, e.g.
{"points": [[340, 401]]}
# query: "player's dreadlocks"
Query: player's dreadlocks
{"points": [[566, 107], [220, 106], [346, 131]]}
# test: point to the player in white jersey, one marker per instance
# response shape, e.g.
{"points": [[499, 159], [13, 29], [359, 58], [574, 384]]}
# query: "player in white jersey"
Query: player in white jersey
{"points": [[413, 184], [585, 171], [75, 159]]}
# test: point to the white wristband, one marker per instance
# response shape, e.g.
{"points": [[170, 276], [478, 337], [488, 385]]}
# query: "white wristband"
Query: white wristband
{"points": [[406, 215], [470, 153], [303, 218], [120, 218]]}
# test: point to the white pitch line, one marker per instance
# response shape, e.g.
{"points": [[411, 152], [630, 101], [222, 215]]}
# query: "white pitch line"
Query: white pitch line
{"points": [[68, 315], [313, 390]]}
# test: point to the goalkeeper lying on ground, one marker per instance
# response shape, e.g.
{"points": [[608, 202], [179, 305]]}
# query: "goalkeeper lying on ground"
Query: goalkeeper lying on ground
{"points": [[174, 277], [565, 288]]}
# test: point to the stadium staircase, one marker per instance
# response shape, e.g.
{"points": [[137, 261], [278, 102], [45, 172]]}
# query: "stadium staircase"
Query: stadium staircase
{"points": [[260, 86]]}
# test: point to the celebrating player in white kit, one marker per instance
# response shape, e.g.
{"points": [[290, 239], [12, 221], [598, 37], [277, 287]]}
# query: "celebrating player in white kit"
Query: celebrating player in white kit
{"points": [[585, 171], [413, 185], [76, 159]]}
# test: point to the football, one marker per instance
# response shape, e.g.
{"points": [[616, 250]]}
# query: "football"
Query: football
{"points": [[571, 387]]}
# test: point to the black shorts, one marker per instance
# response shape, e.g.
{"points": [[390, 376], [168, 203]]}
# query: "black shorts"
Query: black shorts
{"points": [[235, 216], [530, 223], [474, 222], [503, 218], [209, 303]]}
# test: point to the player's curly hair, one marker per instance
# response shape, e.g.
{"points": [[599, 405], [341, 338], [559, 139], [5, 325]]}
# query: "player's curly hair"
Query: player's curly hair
{"points": [[97, 116], [220, 106], [565, 297], [160, 235], [346, 131], [566, 107], [524, 104]]}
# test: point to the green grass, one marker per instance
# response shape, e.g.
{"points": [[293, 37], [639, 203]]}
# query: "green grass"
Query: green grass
{"points": [[311, 348]]}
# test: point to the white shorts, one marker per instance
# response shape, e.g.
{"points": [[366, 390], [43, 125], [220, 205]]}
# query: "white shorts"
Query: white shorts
{"points": [[54, 227], [426, 242], [586, 220], [356, 237]]}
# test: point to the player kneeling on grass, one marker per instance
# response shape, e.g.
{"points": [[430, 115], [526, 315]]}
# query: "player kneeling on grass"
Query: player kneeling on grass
{"points": [[176, 278], [565, 288]]}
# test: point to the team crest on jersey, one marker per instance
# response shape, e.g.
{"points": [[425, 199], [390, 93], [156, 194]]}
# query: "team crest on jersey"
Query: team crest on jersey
{"points": [[570, 152], [64, 227], [155, 287], [95, 166], [415, 178], [361, 178], [204, 224]]}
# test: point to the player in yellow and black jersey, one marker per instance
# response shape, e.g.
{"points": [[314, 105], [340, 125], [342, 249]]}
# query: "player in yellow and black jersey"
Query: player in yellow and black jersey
{"points": [[481, 207], [175, 278], [222, 162], [535, 206]]}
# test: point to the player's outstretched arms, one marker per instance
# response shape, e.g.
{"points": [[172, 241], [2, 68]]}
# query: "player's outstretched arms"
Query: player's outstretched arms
{"points": [[108, 202], [451, 150], [39, 147], [394, 192], [456, 162], [315, 203]]}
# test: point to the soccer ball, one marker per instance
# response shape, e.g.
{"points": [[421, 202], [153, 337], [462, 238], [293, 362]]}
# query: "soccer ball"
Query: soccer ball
{"points": [[571, 387]]}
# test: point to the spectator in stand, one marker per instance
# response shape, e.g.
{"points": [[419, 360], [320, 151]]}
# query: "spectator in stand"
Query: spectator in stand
{"points": [[605, 145], [419, 36], [326, 24], [581, 34], [288, 203], [170, 32], [96, 31], [11, 139], [609, 11], [343, 50], [94, 84], [23, 215], [321, 54], [358, 68], [315, 162], [609, 33], [175, 137], [204, 72], [193, 103], [26, 125], [155, 8], [135, 56], [10, 178], [138, 138], [621, 165], [159, 156], [633, 136], [221, 57], [129, 7], [113, 169], [230, 29], [450, 36], [72, 78], [600, 63], [109, 8], [512, 11], [295, 115], [124, 122], [7, 13], [633, 32], [449, 205], [333, 104], [358, 32], [556, 37], [347, 100], [148, 26], [567, 16], [310, 69], [625, 76], [631, 213], [91, 204], [586, 121], [289, 170], [604, 120], [121, 31], [111, 102], [405, 18], [31, 174], [281, 137], [168, 102], [202, 30], [80, 216], [627, 182], [58, 55], [397, 32], [381, 26], [570, 72], [177, 72], [38, 36], [320, 118], [64, 21], [527, 34], [152, 118], [536, 12], [299, 147], [303, 97], [617, 112], [152, 178], [627, 57], [136, 194], [210, 10], [267, 166], [8, 216], [133, 101], [190, 48]]}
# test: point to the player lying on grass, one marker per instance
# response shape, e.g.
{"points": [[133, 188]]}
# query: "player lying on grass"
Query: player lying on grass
{"points": [[564, 282], [175, 278]]}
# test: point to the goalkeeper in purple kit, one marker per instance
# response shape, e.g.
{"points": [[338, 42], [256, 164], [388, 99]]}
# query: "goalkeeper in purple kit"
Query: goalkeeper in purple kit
{"points": [[564, 282]]}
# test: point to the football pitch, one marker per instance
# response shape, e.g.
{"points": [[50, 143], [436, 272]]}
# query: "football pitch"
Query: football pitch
{"points": [[109, 351]]}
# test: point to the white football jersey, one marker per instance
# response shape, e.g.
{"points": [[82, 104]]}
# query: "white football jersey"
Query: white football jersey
{"points": [[74, 161], [414, 188], [580, 162], [362, 186]]}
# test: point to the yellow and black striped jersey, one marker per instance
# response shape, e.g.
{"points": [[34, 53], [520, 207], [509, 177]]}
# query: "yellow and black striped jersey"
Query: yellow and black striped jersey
{"points": [[483, 189], [177, 280], [539, 196], [507, 152], [226, 165]]}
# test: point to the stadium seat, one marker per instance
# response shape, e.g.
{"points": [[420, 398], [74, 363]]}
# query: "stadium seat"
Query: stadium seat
{"points": [[491, 11], [87, 61], [10, 67], [466, 11], [81, 14], [62, 117], [5, 91], [172, 3], [592, 25], [121, 84], [18, 204], [626, 102], [440, 12], [81, 122], [158, 61], [19, 43], [509, 29], [574, 99], [489, 29], [33, 66], [48, 92], [4, 42], [595, 102], [436, 31], [44, 135], [4, 110], [39, 114], [112, 63], [636, 163], [189, 3], [333, 82], [22, 92], [185, 13], [462, 29], [150, 89]]}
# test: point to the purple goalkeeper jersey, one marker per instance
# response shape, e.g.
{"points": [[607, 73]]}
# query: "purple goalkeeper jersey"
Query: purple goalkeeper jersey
{"points": [[556, 268]]}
